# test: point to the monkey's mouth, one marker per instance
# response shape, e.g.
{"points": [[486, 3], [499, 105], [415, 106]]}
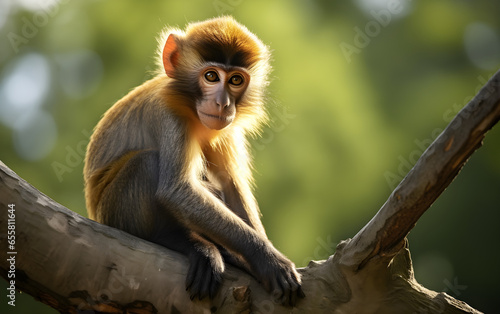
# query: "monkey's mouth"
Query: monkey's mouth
{"points": [[215, 122], [221, 118]]}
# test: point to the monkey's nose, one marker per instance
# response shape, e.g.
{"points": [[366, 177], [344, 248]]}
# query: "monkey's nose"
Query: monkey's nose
{"points": [[223, 100]]}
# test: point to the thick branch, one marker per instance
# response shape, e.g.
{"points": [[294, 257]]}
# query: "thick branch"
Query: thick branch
{"points": [[433, 172], [70, 262]]}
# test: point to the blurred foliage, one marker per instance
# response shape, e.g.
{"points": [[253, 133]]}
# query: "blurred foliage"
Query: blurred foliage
{"points": [[347, 123]]}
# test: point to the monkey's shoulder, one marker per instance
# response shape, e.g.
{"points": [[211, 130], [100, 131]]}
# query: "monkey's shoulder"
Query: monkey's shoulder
{"points": [[144, 105], [138, 121]]}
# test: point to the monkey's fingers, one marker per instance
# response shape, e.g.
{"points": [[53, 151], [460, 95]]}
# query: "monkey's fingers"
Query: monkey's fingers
{"points": [[300, 293], [296, 293], [290, 286], [292, 289], [192, 284], [198, 286], [194, 278], [284, 287], [203, 280], [211, 283]]}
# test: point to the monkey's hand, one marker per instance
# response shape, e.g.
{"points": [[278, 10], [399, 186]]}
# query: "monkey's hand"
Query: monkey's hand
{"points": [[278, 275], [205, 271]]}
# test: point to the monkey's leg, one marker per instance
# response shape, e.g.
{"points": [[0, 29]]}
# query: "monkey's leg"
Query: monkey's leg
{"points": [[129, 203]]}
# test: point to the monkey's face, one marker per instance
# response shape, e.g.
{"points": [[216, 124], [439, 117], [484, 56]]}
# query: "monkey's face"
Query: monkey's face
{"points": [[221, 91]]}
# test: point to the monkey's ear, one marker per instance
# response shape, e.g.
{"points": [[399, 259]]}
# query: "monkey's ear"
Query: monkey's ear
{"points": [[170, 55]]}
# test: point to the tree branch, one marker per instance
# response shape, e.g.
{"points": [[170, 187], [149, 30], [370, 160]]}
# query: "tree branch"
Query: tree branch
{"points": [[72, 263], [434, 171]]}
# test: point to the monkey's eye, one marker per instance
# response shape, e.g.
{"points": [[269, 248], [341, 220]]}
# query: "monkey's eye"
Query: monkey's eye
{"points": [[236, 80], [211, 76]]}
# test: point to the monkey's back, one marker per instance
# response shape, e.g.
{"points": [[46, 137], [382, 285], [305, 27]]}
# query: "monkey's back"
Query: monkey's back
{"points": [[125, 128]]}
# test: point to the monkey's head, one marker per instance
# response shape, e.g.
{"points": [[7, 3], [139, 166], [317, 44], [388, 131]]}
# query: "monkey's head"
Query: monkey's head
{"points": [[220, 69]]}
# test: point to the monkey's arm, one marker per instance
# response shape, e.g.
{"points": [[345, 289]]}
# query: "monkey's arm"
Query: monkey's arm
{"points": [[206, 215], [235, 182], [181, 193]]}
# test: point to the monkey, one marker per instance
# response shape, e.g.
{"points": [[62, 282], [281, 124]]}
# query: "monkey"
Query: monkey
{"points": [[170, 161]]}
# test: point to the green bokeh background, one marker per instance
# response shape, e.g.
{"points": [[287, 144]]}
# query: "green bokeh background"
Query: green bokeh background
{"points": [[345, 127]]}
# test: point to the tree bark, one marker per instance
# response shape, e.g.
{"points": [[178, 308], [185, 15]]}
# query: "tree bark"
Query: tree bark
{"points": [[74, 264]]}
